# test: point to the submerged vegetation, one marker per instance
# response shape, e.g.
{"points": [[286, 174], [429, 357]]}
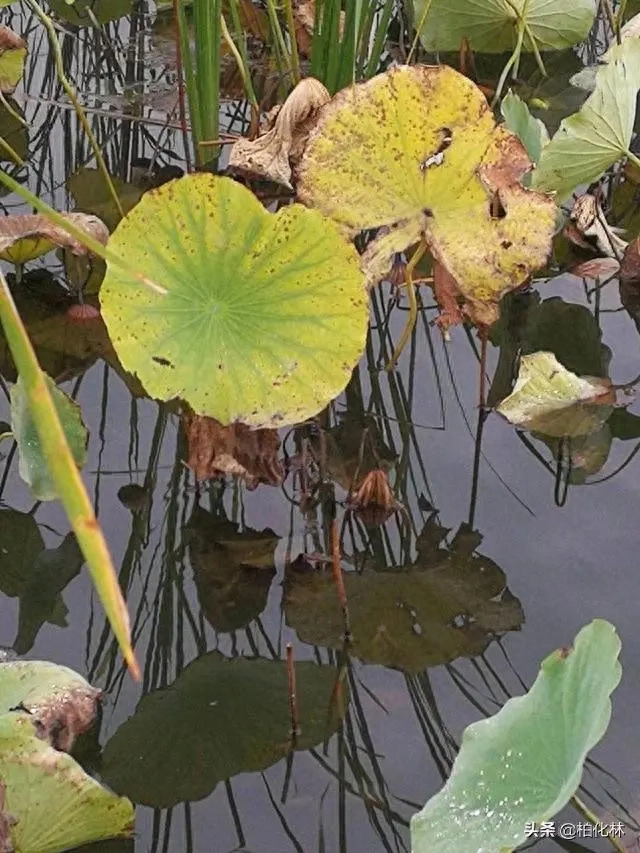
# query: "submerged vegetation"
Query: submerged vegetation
{"points": [[322, 164]]}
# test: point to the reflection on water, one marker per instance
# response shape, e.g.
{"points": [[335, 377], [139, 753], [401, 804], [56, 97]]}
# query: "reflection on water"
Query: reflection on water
{"points": [[453, 600]]}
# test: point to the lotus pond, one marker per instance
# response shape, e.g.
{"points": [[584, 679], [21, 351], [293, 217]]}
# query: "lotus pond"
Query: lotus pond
{"points": [[329, 448]]}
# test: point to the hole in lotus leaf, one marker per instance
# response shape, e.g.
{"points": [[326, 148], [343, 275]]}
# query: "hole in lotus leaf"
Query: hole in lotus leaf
{"points": [[497, 211]]}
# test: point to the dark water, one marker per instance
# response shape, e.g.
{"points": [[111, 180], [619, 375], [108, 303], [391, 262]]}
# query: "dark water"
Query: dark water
{"points": [[561, 566]]}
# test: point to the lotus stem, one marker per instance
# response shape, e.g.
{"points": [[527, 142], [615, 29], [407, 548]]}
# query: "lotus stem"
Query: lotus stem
{"points": [[81, 236], [339, 580], [515, 56], [279, 37], [413, 304], [66, 476], [593, 818], [293, 699], [17, 159], [16, 115], [57, 55], [419, 28], [241, 60], [291, 25]]}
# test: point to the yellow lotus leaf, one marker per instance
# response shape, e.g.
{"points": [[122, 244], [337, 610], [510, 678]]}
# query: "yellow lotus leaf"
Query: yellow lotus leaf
{"points": [[416, 152]]}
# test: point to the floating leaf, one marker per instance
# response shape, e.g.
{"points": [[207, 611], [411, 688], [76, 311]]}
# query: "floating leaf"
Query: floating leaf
{"points": [[232, 569], [548, 398], [593, 139], [496, 786], [23, 238], [236, 450], [33, 467], [448, 605], [435, 167], [493, 26], [52, 804], [265, 315], [13, 51], [221, 717], [59, 700], [531, 131], [22, 543]]}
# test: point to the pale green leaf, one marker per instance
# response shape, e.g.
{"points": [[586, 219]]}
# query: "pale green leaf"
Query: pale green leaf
{"points": [[524, 763], [531, 131], [264, 316], [33, 465], [549, 399], [50, 804], [593, 139], [492, 26]]}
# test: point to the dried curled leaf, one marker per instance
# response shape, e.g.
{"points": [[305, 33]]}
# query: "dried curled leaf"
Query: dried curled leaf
{"points": [[630, 266], [273, 154], [216, 450], [374, 500], [304, 14], [23, 238], [416, 152], [590, 221]]}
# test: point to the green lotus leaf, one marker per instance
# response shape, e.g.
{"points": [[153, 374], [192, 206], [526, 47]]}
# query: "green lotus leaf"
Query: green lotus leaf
{"points": [[219, 718], [62, 702], [524, 763], [494, 26], [449, 604], [92, 195], [416, 150], [593, 139], [264, 316], [33, 466], [549, 399], [531, 131], [50, 804]]}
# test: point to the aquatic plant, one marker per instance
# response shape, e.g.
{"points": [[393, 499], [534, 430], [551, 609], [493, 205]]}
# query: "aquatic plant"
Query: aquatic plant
{"points": [[522, 765]]}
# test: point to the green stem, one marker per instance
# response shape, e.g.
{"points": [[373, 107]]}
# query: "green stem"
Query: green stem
{"points": [[510, 63], [57, 55], [279, 37], [419, 28], [81, 236], [240, 55], [413, 303], [291, 25], [208, 35], [593, 818], [13, 113], [13, 155], [65, 474], [189, 76]]}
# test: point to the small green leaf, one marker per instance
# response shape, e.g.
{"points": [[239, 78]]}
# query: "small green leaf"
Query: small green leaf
{"points": [[492, 26], [13, 51], [593, 139], [549, 399], [532, 132], [33, 466], [50, 803], [524, 763], [264, 316]]}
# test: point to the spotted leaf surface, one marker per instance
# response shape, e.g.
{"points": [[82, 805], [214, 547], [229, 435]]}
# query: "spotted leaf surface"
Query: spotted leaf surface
{"points": [[416, 152], [264, 316]]}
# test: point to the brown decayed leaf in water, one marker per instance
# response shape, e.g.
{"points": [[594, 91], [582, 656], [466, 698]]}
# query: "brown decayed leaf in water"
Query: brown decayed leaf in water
{"points": [[304, 12], [280, 148], [216, 450], [35, 228], [596, 268], [374, 500], [630, 266]]}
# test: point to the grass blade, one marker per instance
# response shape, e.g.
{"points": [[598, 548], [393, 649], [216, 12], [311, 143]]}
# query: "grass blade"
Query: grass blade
{"points": [[66, 476]]}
